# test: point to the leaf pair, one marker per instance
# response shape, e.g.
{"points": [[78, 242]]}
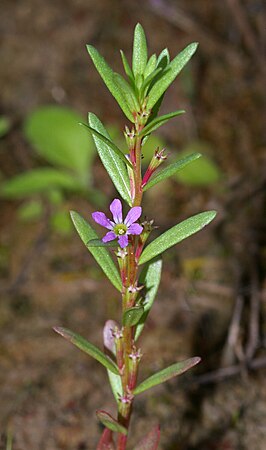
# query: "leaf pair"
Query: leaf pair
{"points": [[158, 378], [166, 240]]}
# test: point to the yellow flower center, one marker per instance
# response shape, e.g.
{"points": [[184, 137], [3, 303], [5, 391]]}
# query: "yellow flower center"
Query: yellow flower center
{"points": [[120, 229]]}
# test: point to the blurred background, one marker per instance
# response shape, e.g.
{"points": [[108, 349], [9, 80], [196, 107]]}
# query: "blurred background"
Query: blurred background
{"points": [[211, 301]]}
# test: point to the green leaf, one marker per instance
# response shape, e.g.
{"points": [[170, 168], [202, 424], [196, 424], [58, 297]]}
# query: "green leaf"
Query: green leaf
{"points": [[126, 65], [55, 134], [166, 374], [150, 277], [203, 172], [170, 170], [100, 243], [159, 121], [88, 348], [38, 181], [176, 234], [113, 164], [101, 254], [108, 142], [163, 59], [171, 72], [150, 441], [149, 79], [132, 316], [128, 93], [107, 75], [151, 65], [109, 422], [140, 53], [116, 385]]}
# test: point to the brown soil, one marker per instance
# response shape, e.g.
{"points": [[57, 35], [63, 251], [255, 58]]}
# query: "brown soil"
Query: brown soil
{"points": [[50, 390]]}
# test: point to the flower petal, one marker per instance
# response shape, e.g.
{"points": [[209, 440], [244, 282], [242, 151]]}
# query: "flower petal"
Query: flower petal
{"points": [[135, 228], [101, 219], [123, 241], [133, 215], [116, 210], [110, 236]]}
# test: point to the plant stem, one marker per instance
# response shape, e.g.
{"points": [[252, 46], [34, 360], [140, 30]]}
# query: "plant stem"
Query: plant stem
{"points": [[130, 369]]}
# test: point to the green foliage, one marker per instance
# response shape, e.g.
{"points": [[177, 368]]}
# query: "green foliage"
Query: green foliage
{"points": [[55, 134], [140, 52], [88, 348], [37, 181], [168, 75], [166, 374], [159, 121], [170, 170], [110, 159], [132, 316], [108, 77], [104, 139], [109, 422], [203, 172], [150, 277], [176, 234], [101, 255], [116, 385]]}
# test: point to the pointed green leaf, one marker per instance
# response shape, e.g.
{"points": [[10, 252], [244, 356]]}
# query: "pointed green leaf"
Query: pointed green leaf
{"points": [[100, 243], [150, 277], [109, 422], [107, 75], [127, 67], [151, 65], [150, 78], [166, 374], [128, 93], [88, 348], [176, 234], [113, 164], [150, 441], [159, 121], [171, 72], [108, 142], [101, 254], [170, 170], [38, 181], [132, 316], [116, 385], [163, 59], [140, 53]]}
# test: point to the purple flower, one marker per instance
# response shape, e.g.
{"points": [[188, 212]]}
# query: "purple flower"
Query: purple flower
{"points": [[118, 228]]}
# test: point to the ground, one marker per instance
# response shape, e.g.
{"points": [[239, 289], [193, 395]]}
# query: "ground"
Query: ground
{"points": [[49, 389]]}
